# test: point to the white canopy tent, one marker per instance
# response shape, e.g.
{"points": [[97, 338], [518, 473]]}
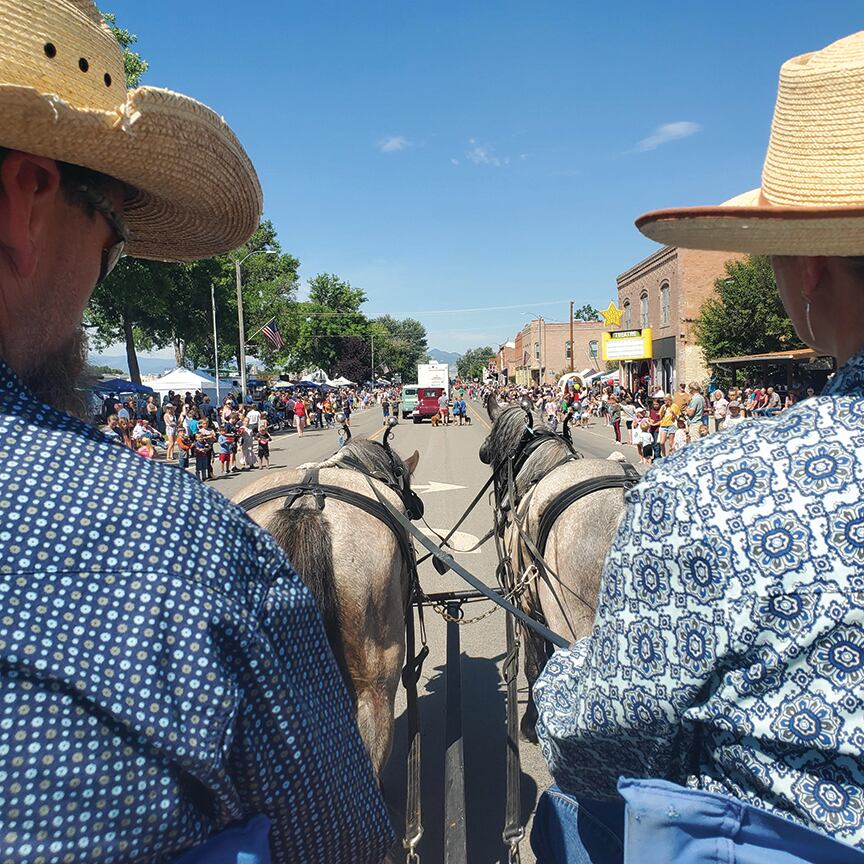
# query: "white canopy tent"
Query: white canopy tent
{"points": [[182, 380], [340, 382]]}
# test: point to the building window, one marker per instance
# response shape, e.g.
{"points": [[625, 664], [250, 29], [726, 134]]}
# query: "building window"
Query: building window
{"points": [[628, 319], [643, 310], [664, 304], [594, 349], [567, 349], [536, 350]]}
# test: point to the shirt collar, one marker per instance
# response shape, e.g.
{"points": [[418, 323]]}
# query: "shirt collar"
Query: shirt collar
{"points": [[849, 378]]}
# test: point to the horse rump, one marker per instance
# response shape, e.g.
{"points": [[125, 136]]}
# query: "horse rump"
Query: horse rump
{"points": [[304, 534]]}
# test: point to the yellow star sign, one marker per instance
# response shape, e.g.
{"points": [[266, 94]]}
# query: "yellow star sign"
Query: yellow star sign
{"points": [[612, 315]]}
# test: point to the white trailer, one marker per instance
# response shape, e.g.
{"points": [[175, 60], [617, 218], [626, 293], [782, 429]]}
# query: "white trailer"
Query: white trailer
{"points": [[434, 375]]}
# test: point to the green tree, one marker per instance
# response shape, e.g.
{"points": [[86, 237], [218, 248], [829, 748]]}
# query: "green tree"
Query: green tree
{"points": [[586, 313], [474, 362], [134, 64], [745, 315], [316, 330], [400, 344]]}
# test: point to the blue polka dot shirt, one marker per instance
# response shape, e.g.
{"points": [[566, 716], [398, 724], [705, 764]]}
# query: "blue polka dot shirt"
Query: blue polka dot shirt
{"points": [[164, 671]]}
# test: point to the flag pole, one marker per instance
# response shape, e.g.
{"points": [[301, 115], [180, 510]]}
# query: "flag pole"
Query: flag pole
{"points": [[253, 335], [215, 342]]}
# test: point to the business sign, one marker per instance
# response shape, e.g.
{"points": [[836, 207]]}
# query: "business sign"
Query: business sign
{"points": [[627, 345]]}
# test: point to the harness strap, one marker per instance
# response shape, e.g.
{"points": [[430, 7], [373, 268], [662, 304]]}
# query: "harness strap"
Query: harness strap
{"points": [[514, 831], [291, 492], [572, 494]]}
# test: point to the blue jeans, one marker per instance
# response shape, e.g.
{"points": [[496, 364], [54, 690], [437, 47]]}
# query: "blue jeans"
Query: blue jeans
{"points": [[569, 830]]}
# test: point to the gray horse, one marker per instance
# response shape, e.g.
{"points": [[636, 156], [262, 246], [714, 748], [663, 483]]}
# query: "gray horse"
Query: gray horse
{"points": [[578, 541], [353, 565]]}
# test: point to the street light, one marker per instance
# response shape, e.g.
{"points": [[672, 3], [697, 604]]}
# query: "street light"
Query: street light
{"points": [[240, 326]]}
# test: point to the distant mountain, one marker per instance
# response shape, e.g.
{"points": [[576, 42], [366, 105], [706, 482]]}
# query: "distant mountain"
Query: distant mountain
{"points": [[451, 358], [148, 365]]}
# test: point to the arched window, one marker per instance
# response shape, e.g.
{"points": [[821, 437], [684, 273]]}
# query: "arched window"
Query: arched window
{"points": [[643, 310], [628, 318], [664, 304]]}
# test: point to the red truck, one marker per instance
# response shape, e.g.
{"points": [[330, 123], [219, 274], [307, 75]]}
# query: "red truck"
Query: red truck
{"points": [[427, 403]]}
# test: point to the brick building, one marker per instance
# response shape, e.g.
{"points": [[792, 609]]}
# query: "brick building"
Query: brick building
{"points": [[665, 292], [541, 350]]}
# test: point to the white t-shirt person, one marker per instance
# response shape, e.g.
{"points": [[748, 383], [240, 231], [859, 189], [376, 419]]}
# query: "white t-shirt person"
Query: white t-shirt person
{"points": [[253, 418]]}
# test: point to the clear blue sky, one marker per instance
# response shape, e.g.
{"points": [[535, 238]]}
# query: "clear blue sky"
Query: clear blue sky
{"points": [[444, 155]]}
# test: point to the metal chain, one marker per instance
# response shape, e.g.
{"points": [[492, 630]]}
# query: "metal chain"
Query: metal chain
{"points": [[522, 583]]}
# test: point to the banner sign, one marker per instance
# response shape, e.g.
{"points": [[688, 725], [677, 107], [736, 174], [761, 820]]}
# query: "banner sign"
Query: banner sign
{"points": [[627, 345]]}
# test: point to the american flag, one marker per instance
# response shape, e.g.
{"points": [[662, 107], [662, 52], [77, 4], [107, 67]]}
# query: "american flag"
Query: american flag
{"points": [[271, 331]]}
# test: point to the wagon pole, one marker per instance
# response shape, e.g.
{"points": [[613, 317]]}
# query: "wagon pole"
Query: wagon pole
{"points": [[455, 839]]}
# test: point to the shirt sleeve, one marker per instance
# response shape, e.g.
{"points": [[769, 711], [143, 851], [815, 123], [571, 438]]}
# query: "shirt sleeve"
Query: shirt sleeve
{"points": [[616, 703], [296, 753]]}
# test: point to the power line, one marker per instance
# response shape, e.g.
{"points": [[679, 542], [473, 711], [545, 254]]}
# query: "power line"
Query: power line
{"points": [[439, 311]]}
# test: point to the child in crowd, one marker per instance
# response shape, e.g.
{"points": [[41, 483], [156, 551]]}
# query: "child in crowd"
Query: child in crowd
{"points": [[646, 442], [680, 434], [202, 457], [264, 439], [226, 447], [184, 448]]}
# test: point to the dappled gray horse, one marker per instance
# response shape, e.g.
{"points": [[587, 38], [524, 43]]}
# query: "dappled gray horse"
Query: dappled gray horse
{"points": [[354, 566], [578, 541]]}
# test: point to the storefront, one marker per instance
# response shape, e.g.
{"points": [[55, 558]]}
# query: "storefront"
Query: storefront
{"points": [[634, 349]]}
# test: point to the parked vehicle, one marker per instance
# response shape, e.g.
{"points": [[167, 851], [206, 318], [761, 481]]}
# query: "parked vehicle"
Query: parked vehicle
{"points": [[409, 400], [434, 375], [427, 403]]}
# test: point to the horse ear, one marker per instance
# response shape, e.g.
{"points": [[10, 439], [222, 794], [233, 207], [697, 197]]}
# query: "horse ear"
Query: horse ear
{"points": [[411, 461], [492, 407]]}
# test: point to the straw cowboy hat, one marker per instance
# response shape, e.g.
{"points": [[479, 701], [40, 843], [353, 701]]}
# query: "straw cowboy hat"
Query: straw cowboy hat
{"points": [[63, 95], [811, 201]]}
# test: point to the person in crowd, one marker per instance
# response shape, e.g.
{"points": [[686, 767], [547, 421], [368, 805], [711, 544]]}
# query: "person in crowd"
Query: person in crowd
{"points": [[263, 438], [385, 408], [654, 418], [207, 409], [246, 442], [680, 438], [669, 414], [721, 408], [771, 405], [727, 653], [201, 450], [299, 415], [253, 417], [695, 410], [734, 415], [210, 437], [682, 397], [244, 712], [613, 409], [789, 400], [810, 393], [185, 445], [443, 409], [170, 424], [145, 448], [646, 443]]}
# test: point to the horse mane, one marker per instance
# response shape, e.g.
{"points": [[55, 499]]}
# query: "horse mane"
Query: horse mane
{"points": [[503, 442], [371, 458]]}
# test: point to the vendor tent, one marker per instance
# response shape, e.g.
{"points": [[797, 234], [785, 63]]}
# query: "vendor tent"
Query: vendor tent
{"points": [[187, 380], [121, 385]]}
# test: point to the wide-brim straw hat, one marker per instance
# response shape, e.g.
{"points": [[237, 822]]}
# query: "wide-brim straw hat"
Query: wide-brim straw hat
{"points": [[811, 201], [63, 95]]}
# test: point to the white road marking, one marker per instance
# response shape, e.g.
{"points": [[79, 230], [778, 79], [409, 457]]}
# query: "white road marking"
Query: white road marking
{"points": [[433, 486], [460, 542]]}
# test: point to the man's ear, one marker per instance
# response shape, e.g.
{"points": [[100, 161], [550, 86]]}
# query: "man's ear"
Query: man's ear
{"points": [[30, 185], [813, 270]]}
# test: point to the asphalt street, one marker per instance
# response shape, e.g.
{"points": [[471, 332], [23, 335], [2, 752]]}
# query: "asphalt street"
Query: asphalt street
{"points": [[447, 478]]}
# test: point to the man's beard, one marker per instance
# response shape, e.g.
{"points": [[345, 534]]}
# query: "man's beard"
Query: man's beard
{"points": [[58, 376]]}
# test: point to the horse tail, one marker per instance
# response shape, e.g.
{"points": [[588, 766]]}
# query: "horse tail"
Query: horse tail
{"points": [[304, 534]]}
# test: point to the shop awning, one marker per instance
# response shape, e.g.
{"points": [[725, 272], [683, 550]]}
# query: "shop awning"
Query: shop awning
{"points": [[773, 357]]}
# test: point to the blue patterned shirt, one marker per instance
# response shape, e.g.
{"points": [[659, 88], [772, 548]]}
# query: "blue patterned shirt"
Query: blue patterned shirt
{"points": [[164, 671], [728, 649]]}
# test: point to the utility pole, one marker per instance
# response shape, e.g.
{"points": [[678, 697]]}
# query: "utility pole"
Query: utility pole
{"points": [[241, 330], [571, 336], [215, 342], [373, 359]]}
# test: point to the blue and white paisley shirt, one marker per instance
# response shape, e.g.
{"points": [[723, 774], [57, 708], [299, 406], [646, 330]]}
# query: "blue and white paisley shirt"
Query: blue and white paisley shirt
{"points": [[728, 649], [163, 671]]}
